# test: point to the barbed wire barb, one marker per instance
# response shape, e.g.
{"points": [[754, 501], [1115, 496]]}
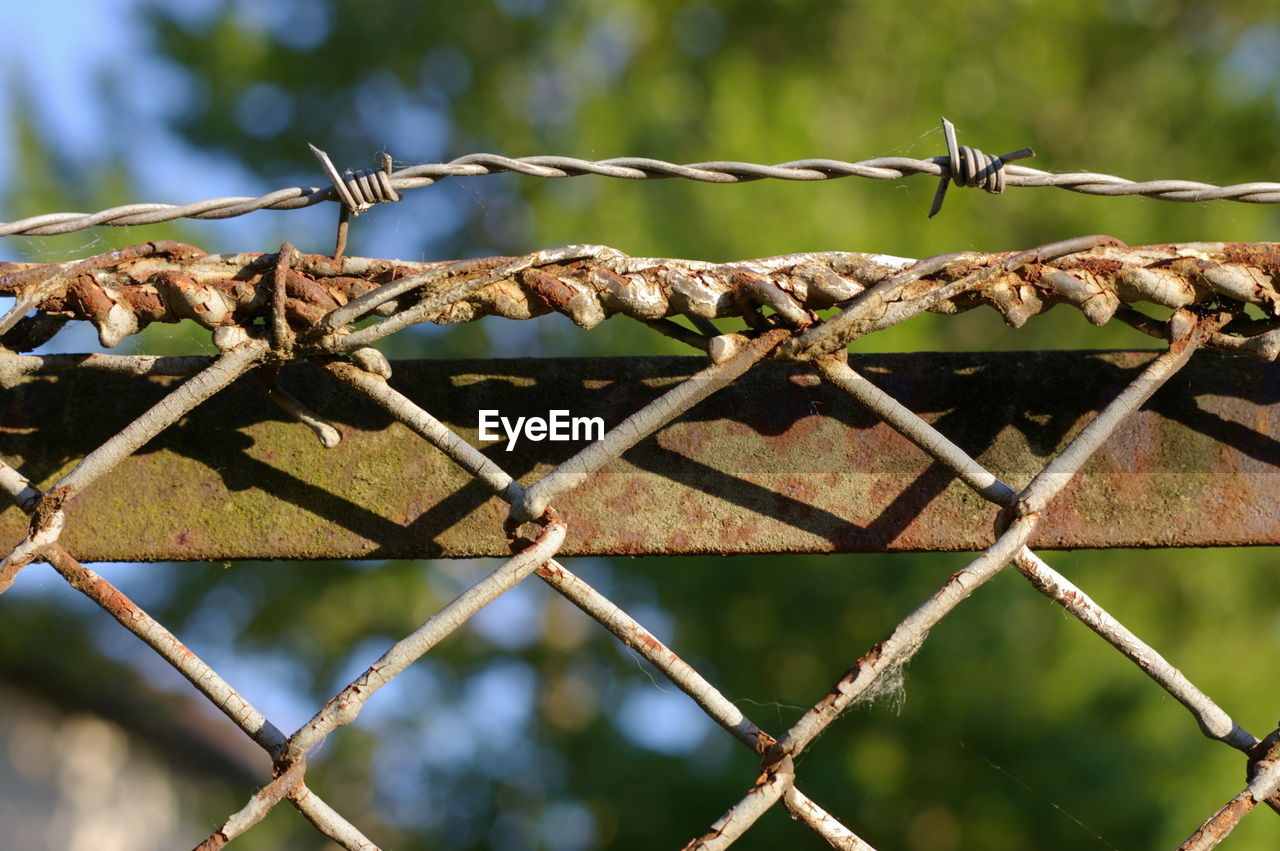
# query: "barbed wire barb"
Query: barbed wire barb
{"points": [[970, 167]]}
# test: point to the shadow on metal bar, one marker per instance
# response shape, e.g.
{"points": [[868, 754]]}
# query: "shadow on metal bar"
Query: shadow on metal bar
{"points": [[778, 462]]}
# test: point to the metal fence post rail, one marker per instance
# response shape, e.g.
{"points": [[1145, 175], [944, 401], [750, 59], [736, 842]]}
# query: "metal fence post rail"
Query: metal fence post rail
{"points": [[289, 319]]}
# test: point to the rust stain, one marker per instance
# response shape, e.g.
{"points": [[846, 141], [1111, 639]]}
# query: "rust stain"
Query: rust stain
{"points": [[86, 297], [640, 638], [1102, 266], [553, 292], [308, 291], [764, 742], [1262, 254]]}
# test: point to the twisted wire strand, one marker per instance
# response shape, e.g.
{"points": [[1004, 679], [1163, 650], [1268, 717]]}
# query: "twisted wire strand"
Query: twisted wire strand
{"points": [[643, 168], [322, 298]]}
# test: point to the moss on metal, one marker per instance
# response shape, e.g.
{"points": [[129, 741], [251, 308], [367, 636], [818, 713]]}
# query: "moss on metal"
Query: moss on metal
{"points": [[777, 462]]}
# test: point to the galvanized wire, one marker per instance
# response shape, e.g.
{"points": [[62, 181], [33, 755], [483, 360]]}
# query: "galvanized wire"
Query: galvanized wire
{"points": [[361, 190]]}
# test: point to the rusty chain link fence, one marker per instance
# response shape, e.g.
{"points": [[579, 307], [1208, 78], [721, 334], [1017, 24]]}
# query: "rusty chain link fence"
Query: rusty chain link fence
{"points": [[267, 311]]}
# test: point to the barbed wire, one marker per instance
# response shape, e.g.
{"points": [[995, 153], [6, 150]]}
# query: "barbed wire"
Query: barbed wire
{"points": [[359, 190]]}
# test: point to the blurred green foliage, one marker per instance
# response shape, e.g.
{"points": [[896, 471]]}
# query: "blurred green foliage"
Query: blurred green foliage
{"points": [[1015, 727]]}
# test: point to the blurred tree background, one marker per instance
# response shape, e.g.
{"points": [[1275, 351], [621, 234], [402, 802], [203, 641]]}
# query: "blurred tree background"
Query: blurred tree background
{"points": [[1015, 727]]}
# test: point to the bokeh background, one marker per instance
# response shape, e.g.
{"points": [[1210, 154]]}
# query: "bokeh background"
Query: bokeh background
{"points": [[1014, 728]]}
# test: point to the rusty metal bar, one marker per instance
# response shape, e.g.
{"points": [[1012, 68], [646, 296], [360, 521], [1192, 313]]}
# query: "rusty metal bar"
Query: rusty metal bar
{"points": [[777, 462]]}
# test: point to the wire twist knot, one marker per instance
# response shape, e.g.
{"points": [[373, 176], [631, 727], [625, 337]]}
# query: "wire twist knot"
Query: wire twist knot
{"points": [[971, 167], [359, 190]]}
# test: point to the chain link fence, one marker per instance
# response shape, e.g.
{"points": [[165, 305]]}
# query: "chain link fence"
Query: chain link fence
{"points": [[265, 311]]}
